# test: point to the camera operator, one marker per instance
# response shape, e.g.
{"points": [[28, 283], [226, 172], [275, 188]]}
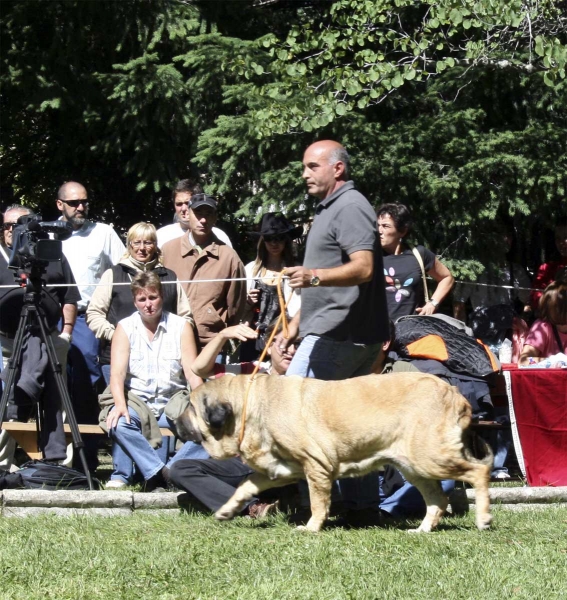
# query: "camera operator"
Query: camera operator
{"points": [[59, 304]]}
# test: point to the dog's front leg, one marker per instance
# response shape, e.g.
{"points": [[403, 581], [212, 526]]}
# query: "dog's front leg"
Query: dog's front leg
{"points": [[320, 484], [249, 488]]}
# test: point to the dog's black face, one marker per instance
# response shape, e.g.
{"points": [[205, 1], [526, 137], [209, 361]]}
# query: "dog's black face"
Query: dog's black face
{"points": [[208, 420]]}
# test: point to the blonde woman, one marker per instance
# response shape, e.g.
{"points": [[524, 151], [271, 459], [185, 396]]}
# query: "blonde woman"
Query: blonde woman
{"points": [[111, 303]]}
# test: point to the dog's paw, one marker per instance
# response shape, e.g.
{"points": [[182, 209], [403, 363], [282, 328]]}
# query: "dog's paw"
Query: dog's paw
{"points": [[223, 514], [306, 528], [484, 522], [420, 529]]}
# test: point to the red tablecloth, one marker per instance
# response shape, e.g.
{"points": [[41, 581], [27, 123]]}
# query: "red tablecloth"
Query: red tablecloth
{"points": [[538, 399]]}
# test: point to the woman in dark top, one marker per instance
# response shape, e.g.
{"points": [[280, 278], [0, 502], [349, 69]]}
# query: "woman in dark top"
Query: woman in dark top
{"points": [[402, 271]]}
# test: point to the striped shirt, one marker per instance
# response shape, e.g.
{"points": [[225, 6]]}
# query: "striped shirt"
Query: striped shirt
{"points": [[245, 368], [155, 371]]}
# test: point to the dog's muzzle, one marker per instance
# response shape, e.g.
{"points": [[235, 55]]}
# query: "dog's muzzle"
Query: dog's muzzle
{"points": [[186, 428]]}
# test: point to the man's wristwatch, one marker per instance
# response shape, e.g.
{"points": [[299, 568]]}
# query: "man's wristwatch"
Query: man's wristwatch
{"points": [[315, 281], [433, 302]]}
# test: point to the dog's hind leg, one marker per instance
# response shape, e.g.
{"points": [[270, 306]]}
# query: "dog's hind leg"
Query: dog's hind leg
{"points": [[320, 484], [435, 501], [479, 477], [249, 488]]}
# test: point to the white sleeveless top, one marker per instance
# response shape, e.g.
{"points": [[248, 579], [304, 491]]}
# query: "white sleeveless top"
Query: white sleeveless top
{"points": [[155, 372]]}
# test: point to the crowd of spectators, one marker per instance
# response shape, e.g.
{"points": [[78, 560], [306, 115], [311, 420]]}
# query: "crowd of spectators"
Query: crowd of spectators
{"points": [[143, 322]]}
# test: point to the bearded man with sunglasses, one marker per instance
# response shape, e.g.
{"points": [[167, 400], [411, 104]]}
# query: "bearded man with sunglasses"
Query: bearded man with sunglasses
{"points": [[91, 250]]}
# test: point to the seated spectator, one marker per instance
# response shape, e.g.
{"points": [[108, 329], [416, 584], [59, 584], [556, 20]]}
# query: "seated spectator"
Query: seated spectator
{"points": [[547, 273], [398, 497], [548, 335], [111, 303], [211, 481], [150, 370], [275, 252]]}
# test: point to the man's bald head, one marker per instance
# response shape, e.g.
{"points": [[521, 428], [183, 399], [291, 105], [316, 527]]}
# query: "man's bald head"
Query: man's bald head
{"points": [[71, 190], [73, 202], [325, 167]]}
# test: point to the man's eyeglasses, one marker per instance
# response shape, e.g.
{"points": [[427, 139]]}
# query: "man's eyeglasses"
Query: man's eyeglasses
{"points": [[274, 238], [139, 244], [75, 203], [8, 226]]}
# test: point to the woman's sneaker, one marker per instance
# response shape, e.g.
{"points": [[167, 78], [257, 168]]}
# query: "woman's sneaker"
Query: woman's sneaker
{"points": [[115, 484], [259, 510]]}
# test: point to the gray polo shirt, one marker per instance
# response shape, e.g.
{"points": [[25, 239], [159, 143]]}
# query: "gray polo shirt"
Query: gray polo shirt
{"points": [[344, 223]]}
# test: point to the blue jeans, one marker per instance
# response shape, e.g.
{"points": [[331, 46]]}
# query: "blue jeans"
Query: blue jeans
{"points": [[136, 448], [84, 372], [323, 358], [407, 502]]}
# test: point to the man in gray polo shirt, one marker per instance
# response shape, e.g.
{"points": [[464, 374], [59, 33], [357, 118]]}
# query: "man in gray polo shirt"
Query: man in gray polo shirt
{"points": [[343, 319]]}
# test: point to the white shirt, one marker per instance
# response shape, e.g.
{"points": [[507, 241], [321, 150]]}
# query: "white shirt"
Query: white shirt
{"points": [[171, 232], [155, 371], [91, 250]]}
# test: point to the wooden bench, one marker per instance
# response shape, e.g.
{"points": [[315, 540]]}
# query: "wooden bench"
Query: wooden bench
{"points": [[25, 435]]}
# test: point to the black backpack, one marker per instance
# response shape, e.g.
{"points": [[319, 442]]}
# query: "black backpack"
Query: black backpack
{"points": [[42, 474]]}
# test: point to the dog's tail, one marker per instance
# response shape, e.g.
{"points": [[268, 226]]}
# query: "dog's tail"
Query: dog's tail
{"points": [[475, 448]]}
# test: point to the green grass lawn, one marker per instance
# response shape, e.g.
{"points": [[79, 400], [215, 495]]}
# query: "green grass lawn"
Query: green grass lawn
{"points": [[191, 556]]}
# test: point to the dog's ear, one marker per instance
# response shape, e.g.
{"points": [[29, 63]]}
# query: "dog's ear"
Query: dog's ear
{"points": [[218, 415]]}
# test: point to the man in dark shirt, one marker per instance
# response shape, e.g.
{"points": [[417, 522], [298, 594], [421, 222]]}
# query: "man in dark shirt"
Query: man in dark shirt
{"points": [[343, 318], [58, 302]]}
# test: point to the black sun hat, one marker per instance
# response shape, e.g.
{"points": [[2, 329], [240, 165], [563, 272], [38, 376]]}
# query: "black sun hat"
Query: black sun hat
{"points": [[275, 224]]}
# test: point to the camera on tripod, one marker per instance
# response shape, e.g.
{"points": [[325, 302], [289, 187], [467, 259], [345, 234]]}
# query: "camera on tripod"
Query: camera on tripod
{"points": [[32, 243]]}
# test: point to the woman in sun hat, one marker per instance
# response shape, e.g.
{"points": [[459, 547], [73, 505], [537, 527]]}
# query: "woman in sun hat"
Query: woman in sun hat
{"points": [[275, 252]]}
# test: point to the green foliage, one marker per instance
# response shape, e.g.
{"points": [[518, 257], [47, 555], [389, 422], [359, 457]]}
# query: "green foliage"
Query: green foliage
{"points": [[363, 51], [456, 108]]}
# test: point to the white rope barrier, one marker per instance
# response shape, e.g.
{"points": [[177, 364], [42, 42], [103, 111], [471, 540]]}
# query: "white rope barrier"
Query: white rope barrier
{"points": [[81, 285]]}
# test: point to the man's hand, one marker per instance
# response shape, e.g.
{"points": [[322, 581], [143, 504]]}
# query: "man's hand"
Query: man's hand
{"points": [[281, 343], [239, 332], [115, 414], [299, 277]]}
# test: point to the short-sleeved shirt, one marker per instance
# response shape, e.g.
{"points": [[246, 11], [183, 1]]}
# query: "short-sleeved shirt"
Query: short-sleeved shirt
{"points": [[404, 281], [344, 223], [91, 250], [542, 338], [155, 370]]}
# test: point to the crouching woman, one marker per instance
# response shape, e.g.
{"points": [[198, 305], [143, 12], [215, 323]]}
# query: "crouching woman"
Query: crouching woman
{"points": [[150, 369]]}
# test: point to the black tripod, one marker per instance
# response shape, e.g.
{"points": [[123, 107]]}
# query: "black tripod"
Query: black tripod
{"points": [[33, 316]]}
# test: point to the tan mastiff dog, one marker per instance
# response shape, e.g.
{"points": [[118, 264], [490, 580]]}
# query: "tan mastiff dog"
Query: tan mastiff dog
{"points": [[299, 428]]}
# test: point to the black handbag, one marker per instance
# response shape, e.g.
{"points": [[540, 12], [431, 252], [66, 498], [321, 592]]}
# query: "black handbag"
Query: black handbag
{"points": [[42, 474]]}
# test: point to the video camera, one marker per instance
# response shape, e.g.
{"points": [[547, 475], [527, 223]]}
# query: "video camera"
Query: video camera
{"points": [[32, 244]]}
